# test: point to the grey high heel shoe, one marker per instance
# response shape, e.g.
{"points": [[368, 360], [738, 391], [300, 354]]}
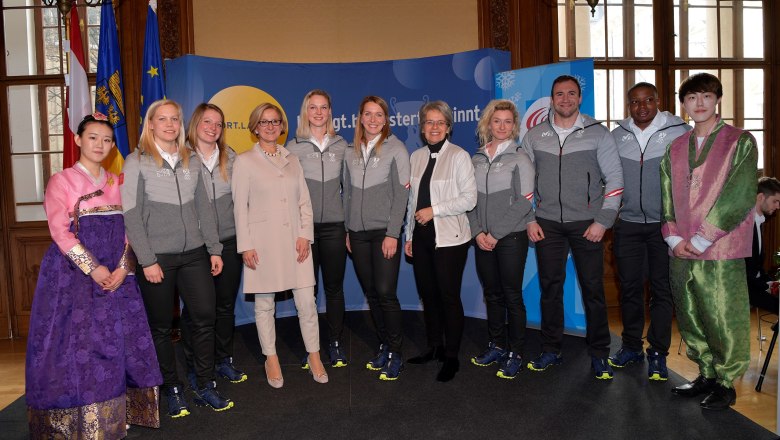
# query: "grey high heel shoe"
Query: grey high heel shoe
{"points": [[319, 378], [275, 382]]}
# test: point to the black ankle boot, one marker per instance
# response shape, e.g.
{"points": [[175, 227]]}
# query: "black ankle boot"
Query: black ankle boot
{"points": [[448, 369], [435, 353]]}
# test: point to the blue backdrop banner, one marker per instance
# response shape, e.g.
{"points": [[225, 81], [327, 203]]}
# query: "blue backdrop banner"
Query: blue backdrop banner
{"points": [[465, 80], [530, 90]]}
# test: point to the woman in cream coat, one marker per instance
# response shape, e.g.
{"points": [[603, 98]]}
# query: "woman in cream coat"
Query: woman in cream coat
{"points": [[274, 232]]}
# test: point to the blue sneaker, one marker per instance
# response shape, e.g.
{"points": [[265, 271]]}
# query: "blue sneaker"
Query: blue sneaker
{"points": [[601, 367], [393, 367], [545, 360], [177, 406], [208, 396], [305, 362], [226, 370], [378, 362], [625, 357], [337, 357], [490, 356], [510, 366], [656, 366]]}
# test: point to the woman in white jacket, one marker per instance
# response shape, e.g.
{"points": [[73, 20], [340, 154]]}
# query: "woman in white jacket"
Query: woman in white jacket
{"points": [[438, 234]]}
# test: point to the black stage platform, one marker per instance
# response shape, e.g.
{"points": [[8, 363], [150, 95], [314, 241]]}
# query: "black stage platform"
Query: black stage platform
{"points": [[565, 402]]}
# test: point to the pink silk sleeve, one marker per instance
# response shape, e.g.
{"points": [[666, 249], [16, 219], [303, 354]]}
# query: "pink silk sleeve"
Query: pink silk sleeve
{"points": [[56, 203]]}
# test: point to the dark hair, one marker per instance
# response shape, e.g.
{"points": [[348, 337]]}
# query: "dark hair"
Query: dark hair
{"points": [[564, 78], [95, 118], [700, 83], [641, 85], [768, 186]]}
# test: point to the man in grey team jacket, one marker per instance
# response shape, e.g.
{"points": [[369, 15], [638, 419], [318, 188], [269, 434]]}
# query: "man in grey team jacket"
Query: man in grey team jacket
{"points": [[642, 139], [578, 189]]}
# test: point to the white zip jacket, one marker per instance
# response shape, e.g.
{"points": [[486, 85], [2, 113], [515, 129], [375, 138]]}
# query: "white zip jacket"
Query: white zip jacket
{"points": [[453, 193]]}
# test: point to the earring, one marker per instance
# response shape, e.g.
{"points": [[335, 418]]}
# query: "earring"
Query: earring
{"points": [[257, 133]]}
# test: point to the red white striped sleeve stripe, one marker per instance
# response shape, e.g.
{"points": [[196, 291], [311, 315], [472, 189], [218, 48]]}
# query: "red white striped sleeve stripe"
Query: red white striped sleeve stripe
{"points": [[529, 196], [615, 192]]}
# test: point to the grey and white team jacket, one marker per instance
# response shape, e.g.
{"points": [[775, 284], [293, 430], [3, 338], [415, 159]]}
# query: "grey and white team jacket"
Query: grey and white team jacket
{"points": [[166, 209], [375, 191], [505, 188], [579, 179], [221, 197], [641, 170], [323, 173]]}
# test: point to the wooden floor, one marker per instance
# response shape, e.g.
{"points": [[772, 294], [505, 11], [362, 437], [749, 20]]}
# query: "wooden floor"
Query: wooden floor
{"points": [[759, 407]]}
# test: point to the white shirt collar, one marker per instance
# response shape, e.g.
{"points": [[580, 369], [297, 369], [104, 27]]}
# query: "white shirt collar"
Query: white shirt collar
{"points": [[500, 148], [563, 133], [760, 219], [643, 136], [322, 146], [371, 144], [168, 157], [210, 162]]}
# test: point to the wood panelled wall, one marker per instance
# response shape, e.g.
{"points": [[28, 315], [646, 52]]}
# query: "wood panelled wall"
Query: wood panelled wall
{"points": [[527, 28]]}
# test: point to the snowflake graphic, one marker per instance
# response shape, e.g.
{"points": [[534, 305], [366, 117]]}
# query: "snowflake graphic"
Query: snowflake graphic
{"points": [[505, 80], [581, 80], [516, 98]]}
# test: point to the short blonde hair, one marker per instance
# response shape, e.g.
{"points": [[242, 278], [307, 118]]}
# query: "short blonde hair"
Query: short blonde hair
{"points": [[147, 143], [304, 127], [483, 126], [254, 118], [439, 106]]}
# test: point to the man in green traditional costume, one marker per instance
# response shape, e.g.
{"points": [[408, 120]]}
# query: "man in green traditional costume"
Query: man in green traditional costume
{"points": [[708, 183]]}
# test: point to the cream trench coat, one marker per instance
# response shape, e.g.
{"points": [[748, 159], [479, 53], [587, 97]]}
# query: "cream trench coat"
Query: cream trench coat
{"points": [[272, 209]]}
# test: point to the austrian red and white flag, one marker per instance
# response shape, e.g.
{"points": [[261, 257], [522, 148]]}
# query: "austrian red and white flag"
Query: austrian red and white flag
{"points": [[77, 91]]}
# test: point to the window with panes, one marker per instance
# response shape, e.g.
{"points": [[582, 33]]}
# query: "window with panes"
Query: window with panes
{"points": [[33, 89], [725, 38]]}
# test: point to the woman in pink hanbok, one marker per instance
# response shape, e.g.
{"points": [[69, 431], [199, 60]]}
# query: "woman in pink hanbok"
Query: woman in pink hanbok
{"points": [[91, 365]]}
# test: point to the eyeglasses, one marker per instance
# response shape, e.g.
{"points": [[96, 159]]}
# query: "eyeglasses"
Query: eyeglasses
{"points": [[436, 123], [274, 122]]}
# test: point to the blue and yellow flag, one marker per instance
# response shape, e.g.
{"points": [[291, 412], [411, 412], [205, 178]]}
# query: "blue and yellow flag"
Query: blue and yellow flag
{"points": [[152, 82], [108, 87]]}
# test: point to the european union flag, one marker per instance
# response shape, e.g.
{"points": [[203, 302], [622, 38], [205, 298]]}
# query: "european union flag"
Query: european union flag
{"points": [[108, 87], [152, 83]]}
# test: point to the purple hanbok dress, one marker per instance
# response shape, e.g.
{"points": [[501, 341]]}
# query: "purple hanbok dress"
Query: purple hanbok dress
{"points": [[91, 364]]}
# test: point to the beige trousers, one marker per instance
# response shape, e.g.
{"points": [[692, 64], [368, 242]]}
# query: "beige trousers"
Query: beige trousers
{"points": [[307, 317]]}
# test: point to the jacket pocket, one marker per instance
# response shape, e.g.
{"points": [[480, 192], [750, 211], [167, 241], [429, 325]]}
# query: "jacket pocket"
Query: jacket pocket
{"points": [[538, 193], [587, 189]]}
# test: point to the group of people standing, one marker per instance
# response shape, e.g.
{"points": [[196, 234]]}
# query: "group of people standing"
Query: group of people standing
{"points": [[197, 216]]}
